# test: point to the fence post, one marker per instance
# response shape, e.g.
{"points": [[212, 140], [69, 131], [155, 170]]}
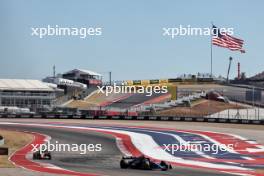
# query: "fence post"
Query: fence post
{"points": [[247, 113], [258, 112]]}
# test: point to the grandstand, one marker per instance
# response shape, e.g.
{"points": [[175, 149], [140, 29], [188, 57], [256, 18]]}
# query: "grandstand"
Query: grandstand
{"points": [[87, 77], [76, 84], [257, 77], [24, 93], [178, 88]]}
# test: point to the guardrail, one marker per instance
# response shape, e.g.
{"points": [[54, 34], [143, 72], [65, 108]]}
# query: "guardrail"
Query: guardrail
{"points": [[147, 118]]}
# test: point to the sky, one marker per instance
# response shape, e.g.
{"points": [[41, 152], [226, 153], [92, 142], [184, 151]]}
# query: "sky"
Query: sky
{"points": [[132, 45]]}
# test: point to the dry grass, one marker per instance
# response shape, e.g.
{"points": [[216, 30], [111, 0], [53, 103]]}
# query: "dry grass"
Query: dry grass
{"points": [[14, 141], [95, 100], [81, 104], [260, 171], [200, 108]]}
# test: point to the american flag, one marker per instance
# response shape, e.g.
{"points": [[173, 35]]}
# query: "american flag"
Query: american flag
{"points": [[227, 41]]}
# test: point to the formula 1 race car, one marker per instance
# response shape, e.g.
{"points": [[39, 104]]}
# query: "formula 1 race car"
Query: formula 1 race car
{"points": [[143, 163], [38, 155]]}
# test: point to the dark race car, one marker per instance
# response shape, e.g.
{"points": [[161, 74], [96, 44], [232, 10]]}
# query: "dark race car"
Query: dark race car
{"points": [[143, 163], [38, 155]]}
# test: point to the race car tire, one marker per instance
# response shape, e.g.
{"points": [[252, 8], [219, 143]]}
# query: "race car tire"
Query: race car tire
{"points": [[146, 165], [164, 165], [123, 164], [36, 156]]}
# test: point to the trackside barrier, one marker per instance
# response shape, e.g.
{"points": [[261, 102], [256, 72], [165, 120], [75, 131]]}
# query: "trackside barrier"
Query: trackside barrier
{"points": [[3, 150], [147, 118], [2, 140]]}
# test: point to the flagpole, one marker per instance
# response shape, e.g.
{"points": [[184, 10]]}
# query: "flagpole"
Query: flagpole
{"points": [[211, 57], [211, 50]]}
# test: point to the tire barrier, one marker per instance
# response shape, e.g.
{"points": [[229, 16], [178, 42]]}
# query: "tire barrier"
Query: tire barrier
{"points": [[2, 141], [3, 151], [147, 118]]}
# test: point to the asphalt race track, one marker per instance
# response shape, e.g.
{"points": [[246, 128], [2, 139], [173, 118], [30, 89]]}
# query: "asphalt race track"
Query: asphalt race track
{"points": [[133, 100], [106, 162]]}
